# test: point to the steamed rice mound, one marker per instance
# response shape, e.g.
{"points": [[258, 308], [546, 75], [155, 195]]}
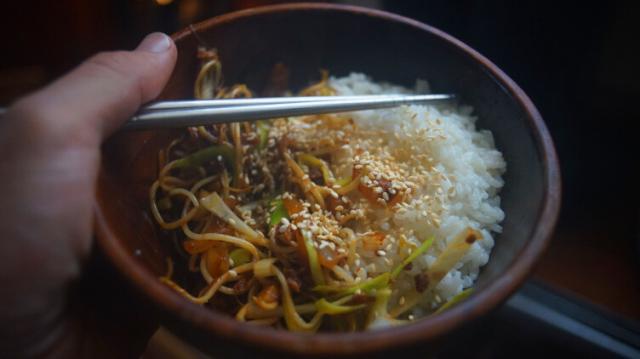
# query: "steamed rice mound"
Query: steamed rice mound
{"points": [[454, 173]]}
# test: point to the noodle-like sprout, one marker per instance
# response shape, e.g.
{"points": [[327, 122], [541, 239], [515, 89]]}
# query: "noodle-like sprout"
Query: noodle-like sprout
{"points": [[175, 191]]}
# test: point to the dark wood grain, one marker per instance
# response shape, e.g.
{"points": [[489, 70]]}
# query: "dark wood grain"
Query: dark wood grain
{"points": [[307, 37]]}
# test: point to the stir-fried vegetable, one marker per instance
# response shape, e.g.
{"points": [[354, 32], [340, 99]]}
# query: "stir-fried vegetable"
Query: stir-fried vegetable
{"points": [[325, 307], [268, 297], [264, 268], [451, 255], [456, 299], [279, 212], [379, 316], [424, 247], [378, 282], [215, 204], [444, 263], [308, 187], [263, 134], [209, 154], [312, 256], [239, 256], [313, 161], [217, 260]]}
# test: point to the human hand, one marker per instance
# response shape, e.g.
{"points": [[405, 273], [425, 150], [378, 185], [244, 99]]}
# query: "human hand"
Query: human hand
{"points": [[50, 145]]}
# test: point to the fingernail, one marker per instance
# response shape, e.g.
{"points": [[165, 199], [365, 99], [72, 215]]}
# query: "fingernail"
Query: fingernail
{"points": [[156, 42]]}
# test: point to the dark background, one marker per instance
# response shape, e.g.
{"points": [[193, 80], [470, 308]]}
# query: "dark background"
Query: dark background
{"points": [[578, 61]]}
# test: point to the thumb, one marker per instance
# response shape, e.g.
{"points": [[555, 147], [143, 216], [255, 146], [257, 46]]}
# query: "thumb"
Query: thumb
{"points": [[100, 94]]}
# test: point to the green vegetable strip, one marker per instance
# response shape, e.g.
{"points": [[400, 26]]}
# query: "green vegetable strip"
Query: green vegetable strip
{"points": [[451, 255], [278, 213], [343, 181], [325, 307], [379, 308], [292, 318], [455, 300], [314, 264], [240, 256], [313, 161], [415, 254], [216, 205], [208, 154], [379, 282], [264, 268], [263, 134]]}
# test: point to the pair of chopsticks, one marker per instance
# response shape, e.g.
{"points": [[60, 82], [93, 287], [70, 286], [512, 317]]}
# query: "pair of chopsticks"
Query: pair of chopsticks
{"points": [[169, 114]]}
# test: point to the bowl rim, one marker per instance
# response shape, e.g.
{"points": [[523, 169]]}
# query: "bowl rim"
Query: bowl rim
{"points": [[432, 328]]}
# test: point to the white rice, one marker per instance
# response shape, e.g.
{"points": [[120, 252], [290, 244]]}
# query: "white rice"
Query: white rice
{"points": [[461, 161]]}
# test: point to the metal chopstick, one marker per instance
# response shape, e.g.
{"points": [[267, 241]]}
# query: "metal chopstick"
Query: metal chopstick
{"points": [[234, 110], [178, 104]]}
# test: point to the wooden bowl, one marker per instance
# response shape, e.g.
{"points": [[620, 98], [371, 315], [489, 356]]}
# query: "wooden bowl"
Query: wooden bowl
{"points": [[308, 37]]}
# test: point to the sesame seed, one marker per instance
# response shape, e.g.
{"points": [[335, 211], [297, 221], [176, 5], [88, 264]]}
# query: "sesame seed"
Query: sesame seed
{"points": [[233, 273], [401, 301], [381, 253]]}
